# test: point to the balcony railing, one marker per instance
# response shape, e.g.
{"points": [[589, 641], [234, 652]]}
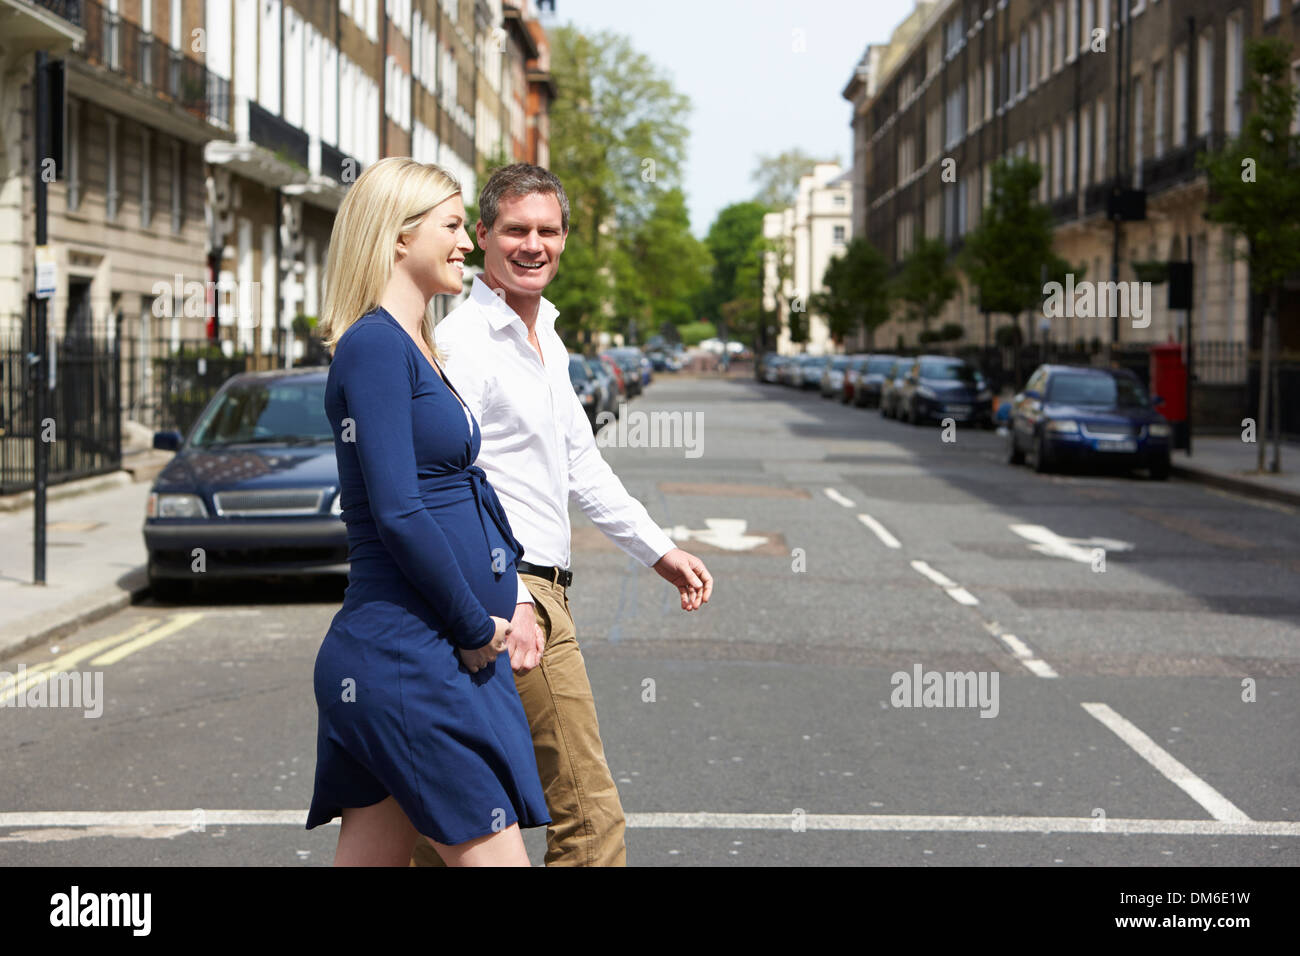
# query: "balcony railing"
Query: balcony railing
{"points": [[70, 10], [338, 165], [1065, 207], [122, 47], [1178, 165], [280, 137]]}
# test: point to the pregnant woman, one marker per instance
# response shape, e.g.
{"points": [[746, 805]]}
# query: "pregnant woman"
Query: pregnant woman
{"points": [[420, 735]]}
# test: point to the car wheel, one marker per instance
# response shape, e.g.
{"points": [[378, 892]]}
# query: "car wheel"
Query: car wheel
{"points": [[1042, 460], [1159, 470], [1015, 455]]}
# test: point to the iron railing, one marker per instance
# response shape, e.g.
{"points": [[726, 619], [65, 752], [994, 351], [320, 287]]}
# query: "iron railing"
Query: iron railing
{"points": [[122, 47], [279, 136], [70, 10]]}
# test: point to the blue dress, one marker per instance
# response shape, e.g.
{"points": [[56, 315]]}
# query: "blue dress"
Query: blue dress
{"points": [[432, 556]]}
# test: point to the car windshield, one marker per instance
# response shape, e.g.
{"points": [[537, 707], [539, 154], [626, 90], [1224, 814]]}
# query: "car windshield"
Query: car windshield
{"points": [[951, 372], [577, 370], [841, 363], [283, 412], [880, 366], [1113, 390]]}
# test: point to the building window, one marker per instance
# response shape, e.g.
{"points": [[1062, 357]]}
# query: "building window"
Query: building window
{"points": [[956, 31], [1024, 63], [73, 173], [1072, 37], [1013, 73], [1057, 166], [839, 200], [955, 123], [1069, 154], [178, 185], [146, 177], [1086, 38], [1046, 65], [1233, 79], [1085, 148], [1180, 96], [1158, 109], [1058, 48], [933, 134], [1272, 9], [1032, 64], [988, 90], [1045, 164], [1138, 139], [1103, 158], [837, 235], [110, 166], [1204, 82]]}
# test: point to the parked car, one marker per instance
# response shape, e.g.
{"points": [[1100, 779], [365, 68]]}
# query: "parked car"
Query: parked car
{"points": [[586, 386], [1072, 415], [608, 387], [832, 381], [631, 368], [856, 366], [891, 387], [939, 386], [770, 369], [810, 370], [869, 383], [616, 371], [664, 361], [255, 486]]}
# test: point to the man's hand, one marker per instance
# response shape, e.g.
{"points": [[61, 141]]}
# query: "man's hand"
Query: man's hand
{"points": [[526, 641], [688, 574]]}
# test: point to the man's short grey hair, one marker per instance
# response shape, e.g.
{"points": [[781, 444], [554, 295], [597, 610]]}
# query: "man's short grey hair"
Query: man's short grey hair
{"points": [[515, 180]]}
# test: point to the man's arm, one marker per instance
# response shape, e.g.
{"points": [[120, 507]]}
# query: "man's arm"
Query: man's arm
{"points": [[471, 378], [623, 519]]}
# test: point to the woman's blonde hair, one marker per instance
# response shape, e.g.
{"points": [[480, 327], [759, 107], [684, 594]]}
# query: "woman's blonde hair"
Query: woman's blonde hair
{"points": [[390, 199]]}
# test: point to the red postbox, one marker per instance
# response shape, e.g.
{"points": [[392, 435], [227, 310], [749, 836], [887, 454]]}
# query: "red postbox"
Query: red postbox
{"points": [[1169, 380]]}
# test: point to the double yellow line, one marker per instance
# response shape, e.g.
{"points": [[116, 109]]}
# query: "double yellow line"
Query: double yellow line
{"points": [[140, 635]]}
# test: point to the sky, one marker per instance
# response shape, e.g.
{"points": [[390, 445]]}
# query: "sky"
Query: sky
{"points": [[763, 76]]}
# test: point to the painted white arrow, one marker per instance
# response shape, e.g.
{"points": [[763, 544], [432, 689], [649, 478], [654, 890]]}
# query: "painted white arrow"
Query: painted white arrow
{"points": [[726, 533], [1046, 541]]}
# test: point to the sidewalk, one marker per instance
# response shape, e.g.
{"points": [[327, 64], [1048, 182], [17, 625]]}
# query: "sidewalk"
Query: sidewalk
{"points": [[94, 555], [1229, 463]]}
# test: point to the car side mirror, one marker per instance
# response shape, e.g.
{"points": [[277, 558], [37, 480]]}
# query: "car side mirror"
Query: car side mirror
{"points": [[168, 440]]}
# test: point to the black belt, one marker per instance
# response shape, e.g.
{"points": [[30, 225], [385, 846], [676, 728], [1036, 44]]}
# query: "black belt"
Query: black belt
{"points": [[555, 575]]}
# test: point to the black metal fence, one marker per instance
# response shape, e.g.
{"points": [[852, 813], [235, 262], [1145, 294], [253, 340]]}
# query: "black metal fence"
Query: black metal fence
{"points": [[81, 425], [168, 382]]}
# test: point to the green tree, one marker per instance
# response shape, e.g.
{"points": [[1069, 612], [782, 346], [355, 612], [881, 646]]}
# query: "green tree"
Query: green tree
{"points": [[1255, 191], [618, 138], [663, 268], [1004, 257], [926, 282], [777, 177], [858, 292], [735, 242]]}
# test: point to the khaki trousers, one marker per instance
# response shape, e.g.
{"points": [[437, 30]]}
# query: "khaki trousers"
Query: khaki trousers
{"points": [[586, 815]]}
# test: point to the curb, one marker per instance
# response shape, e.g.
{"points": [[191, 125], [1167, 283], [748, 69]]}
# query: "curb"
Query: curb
{"points": [[88, 610], [1243, 486], [68, 489]]}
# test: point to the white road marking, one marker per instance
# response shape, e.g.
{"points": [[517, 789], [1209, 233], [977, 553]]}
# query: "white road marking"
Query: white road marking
{"points": [[710, 821], [1046, 541], [1218, 806], [838, 498], [726, 533], [1022, 651], [880, 531], [953, 589]]}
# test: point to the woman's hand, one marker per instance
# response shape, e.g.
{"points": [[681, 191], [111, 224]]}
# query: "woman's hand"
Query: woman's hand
{"points": [[481, 657]]}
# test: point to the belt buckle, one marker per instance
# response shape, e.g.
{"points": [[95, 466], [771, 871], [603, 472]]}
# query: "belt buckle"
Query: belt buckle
{"points": [[563, 577]]}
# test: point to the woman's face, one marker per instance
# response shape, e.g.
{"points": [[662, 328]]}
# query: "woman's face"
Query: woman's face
{"points": [[434, 255]]}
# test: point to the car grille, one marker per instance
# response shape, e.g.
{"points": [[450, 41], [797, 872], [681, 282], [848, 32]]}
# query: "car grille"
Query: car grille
{"points": [[1108, 431], [269, 503]]}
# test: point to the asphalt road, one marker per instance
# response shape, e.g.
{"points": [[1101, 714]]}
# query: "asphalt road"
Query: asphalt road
{"points": [[1140, 707]]}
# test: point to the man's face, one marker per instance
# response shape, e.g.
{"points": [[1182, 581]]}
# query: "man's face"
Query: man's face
{"points": [[522, 252]]}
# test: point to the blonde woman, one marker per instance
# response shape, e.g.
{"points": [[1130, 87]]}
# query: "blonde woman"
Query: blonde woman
{"points": [[421, 735]]}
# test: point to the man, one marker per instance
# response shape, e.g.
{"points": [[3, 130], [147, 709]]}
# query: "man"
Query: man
{"points": [[509, 365]]}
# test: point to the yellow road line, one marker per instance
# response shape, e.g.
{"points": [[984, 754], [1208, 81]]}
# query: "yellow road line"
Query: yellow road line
{"points": [[178, 622], [39, 672]]}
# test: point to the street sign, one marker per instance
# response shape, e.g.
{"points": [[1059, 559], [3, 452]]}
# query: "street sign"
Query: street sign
{"points": [[47, 273]]}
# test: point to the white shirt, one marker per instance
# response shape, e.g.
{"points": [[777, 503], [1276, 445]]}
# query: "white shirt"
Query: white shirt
{"points": [[537, 448]]}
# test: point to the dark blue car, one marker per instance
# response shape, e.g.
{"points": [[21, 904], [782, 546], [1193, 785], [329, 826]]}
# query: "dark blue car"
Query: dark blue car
{"points": [[939, 386], [253, 491], [1072, 415]]}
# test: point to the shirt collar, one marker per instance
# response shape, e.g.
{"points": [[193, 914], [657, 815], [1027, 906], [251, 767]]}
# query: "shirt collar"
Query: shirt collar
{"points": [[499, 312]]}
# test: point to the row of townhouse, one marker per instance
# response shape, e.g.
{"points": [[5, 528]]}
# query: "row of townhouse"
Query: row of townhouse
{"points": [[209, 144], [965, 82]]}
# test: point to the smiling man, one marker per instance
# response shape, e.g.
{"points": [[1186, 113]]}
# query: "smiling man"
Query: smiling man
{"points": [[509, 365]]}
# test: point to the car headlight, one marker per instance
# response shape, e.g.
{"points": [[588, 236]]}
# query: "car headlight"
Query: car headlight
{"points": [[926, 392], [337, 507], [175, 506], [1158, 430], [1065, 426]]}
